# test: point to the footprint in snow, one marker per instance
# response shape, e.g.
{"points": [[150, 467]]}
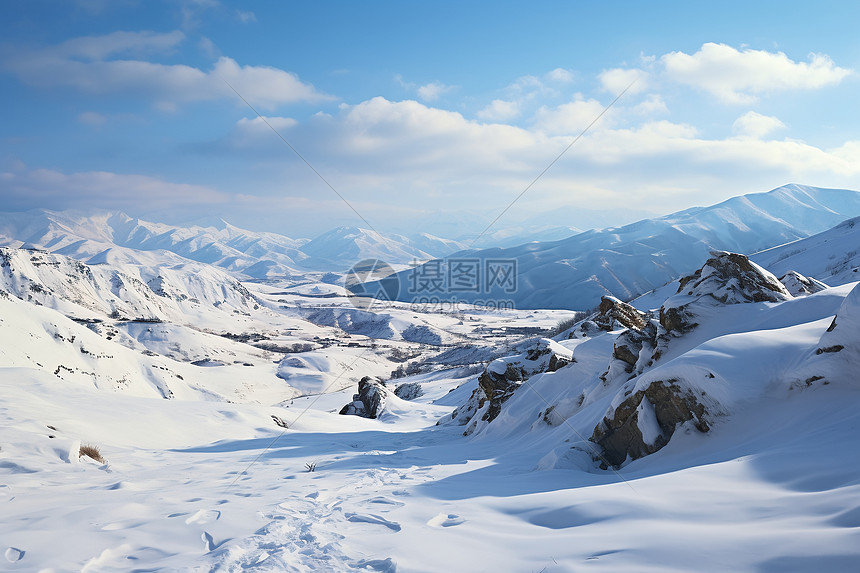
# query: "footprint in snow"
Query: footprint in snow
{"points": [[446, 520], [373, 519], [14, 554], [204, 516]]}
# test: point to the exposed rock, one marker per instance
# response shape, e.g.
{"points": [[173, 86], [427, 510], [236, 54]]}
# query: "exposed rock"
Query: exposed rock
{"points": [[370, 400], [498, 388], [644, 422], [731, 278], [628, 346], [556, 362], [799, 285], [409, 391], [613, 314], [726, 278]]}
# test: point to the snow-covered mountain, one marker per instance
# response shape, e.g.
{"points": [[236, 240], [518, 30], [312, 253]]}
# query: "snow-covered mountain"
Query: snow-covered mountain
{"points": [[719, 421], [832, 256], [117, 238], [626, 261], [342, 247]]}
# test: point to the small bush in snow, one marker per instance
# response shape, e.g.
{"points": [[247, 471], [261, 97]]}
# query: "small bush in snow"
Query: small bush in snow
{"points": [[91, 452]]}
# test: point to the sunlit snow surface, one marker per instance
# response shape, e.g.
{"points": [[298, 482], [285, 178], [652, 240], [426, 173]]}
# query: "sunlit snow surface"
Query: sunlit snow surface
{"points": [[200, 477]]}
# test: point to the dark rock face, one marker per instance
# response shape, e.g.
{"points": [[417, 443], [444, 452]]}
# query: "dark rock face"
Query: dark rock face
{"points": [[619, 434], [726, 278], [556, 362], [629, 344], [612, 314], [498, 388], [409, 391], [731, 278], [370, 400]]}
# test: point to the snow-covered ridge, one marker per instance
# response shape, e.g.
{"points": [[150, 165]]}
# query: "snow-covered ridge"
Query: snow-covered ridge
{"points": [[733, 335], [108, 237], [624, 262]]}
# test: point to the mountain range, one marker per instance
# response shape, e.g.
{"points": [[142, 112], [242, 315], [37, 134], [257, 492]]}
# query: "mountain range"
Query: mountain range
{"points": [[574, 273]]}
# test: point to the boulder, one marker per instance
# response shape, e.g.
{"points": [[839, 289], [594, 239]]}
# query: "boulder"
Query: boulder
{"points": [[409, 391], [370, 400], [644, 421], [498, 388], [726, 278], [799, 285]]}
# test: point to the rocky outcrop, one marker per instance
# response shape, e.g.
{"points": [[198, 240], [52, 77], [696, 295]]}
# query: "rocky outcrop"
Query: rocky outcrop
{"points": [[613, 314], [644, 421], [409, 391], [370, 400], [726, 278], [799, 285], [498, 388], [731, 278]]}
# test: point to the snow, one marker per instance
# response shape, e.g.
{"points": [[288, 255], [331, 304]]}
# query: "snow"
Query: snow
{"points": [[200, 477]]}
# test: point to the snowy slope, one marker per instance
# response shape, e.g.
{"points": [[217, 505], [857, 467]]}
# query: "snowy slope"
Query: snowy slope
{"points": [[627, 261], [832, 256], [728, 414]]}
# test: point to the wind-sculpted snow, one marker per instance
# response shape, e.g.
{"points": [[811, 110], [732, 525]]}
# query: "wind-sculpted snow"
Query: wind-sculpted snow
{"points": [[731, 336], [832, 256]]}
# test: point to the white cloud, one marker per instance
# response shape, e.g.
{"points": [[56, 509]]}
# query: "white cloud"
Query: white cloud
{"points": [[500, 110], [617, 80], [740, 76], [756, 125], [385, 154], [83, 64], [44, 188], [569, 118], [652, 105], [560, 75], [433, 91]]}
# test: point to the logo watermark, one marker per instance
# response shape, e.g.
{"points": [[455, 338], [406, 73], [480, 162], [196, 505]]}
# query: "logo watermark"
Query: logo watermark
{"points": [[438, 285]]}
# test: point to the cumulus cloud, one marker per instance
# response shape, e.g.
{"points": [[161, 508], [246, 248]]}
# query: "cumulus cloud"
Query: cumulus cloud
{"points": [[500, 110], [433, 91], [411, 155], [617, 80], [89, 65], [754, 124], [569, 118], [741, 76], [560, 75]]}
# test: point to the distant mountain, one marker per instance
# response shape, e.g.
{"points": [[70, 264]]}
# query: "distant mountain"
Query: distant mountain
{"points": [[116, 238], [832, 256], [342, 247], [626, 261]]}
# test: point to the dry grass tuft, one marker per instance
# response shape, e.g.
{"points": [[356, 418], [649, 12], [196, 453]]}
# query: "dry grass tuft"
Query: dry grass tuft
{"points": [[91, 452]]}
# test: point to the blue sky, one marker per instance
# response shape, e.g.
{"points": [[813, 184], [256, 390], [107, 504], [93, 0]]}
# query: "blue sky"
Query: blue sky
{"points": [[425, 116]]}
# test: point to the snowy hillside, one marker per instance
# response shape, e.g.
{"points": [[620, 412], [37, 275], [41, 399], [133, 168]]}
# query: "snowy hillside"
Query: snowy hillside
{"points": [[627, 261], [160, 415], [832, 256], [720, 425]]}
